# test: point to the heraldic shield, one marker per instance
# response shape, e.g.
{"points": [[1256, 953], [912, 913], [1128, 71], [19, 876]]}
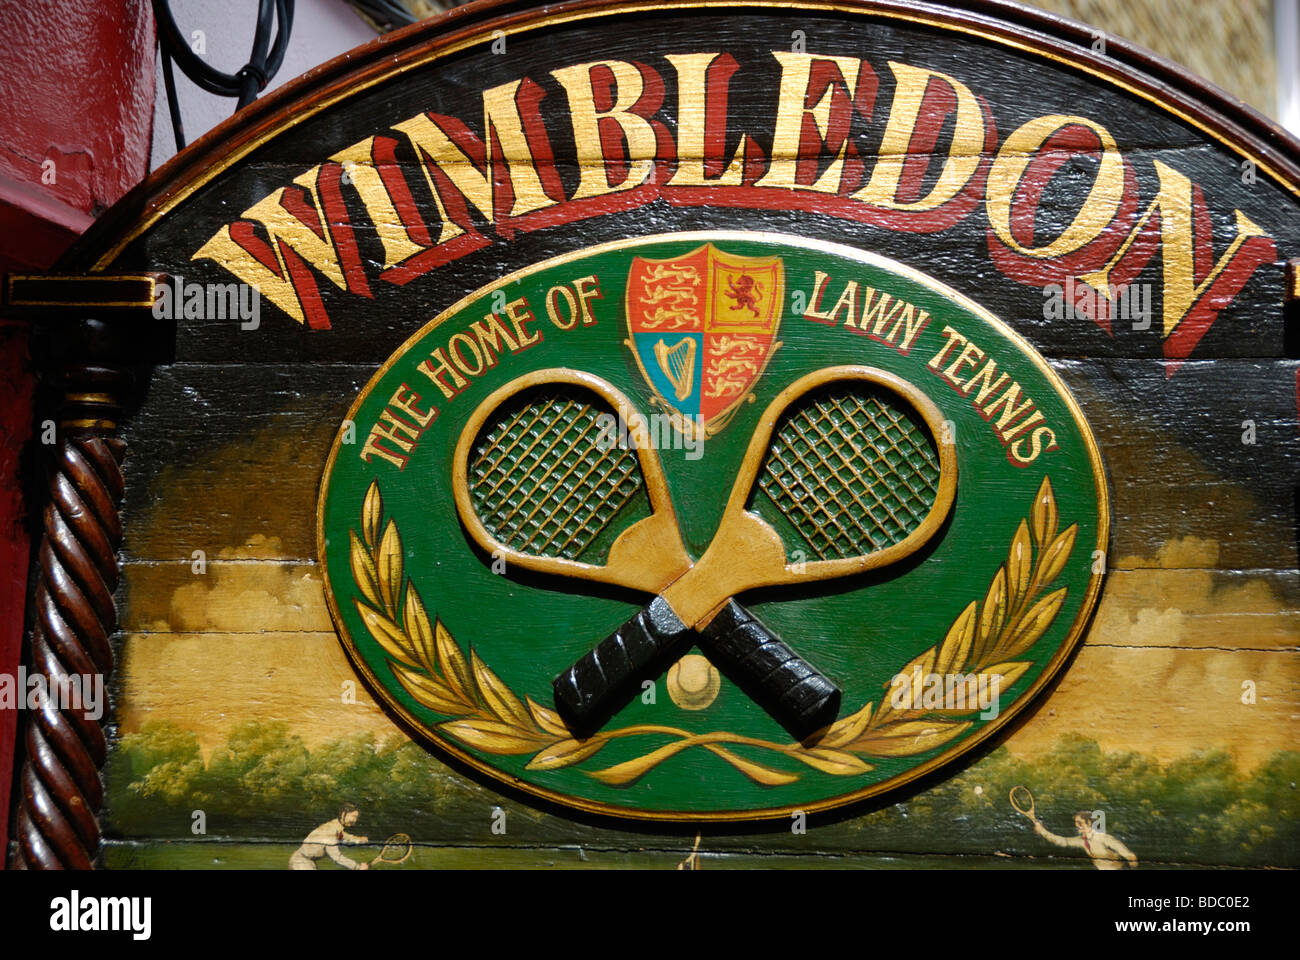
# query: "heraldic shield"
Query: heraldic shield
{"points": [[703, 327]]}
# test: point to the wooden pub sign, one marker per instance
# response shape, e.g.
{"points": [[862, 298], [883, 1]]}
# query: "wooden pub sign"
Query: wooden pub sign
{"points": [[844, 420]]}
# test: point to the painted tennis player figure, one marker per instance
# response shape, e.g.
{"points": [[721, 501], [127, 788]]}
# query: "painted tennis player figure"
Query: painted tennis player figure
{"points": [[1106, 852], [325, 841]]}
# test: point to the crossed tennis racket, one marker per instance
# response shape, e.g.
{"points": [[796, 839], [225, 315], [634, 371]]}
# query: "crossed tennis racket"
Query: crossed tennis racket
{"points": [[848, 458]]}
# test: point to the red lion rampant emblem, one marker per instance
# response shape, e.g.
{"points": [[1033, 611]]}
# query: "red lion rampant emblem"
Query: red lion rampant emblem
{"points": [[744, 291]]}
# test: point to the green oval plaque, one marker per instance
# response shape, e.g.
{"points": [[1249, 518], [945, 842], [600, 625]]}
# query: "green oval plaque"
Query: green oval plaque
{"points": [[700, 332]]}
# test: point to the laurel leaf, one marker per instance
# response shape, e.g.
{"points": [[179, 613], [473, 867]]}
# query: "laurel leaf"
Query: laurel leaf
{"points": [[387, 634], [419, 631], [993, 616], [565, 753], [924, 661], [1052, 561], [363, 572], [372, 510], [1010, 671], [755, 771], [1032, 625], [455, 668], [389, 565], [1019, 563], [497, 696], [909, 737], [491, 735], [548, 720], [956, 645], [1044, 514], [632, 770], [427, 690], [836, 762], [923, 664], [846, 729]]}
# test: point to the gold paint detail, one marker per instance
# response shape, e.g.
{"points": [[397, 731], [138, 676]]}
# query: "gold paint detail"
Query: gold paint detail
{"points": [[105, 398], [678, 364], [964, 155], [43, 279], [988, 638], [693, 683]]}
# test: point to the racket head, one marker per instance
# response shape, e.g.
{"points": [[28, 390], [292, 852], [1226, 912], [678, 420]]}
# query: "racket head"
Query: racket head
{"points": [[1022, 798], [537, 478], [859, 462], [396, 849]]}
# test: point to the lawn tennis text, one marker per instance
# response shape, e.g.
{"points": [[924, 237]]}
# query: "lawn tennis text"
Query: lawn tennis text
{"points": [[508, 328]]}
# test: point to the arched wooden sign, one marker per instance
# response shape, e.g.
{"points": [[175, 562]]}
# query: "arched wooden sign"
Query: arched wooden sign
{"points": [[695, 412]]}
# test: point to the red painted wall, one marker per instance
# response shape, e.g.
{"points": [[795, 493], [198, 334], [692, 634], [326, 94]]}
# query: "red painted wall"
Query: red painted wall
{"points": [[77, 84]]}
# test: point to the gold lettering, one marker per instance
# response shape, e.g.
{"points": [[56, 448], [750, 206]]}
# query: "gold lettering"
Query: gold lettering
{"points": [[435, 373], [812, 312], [638, 133], [692, 70], [792, 107], [964, 152], [285, 229], [1099, 208], [358, 163], [1174, 204], [489, 338], [954, 339], [1007, 401], [501, 121]]}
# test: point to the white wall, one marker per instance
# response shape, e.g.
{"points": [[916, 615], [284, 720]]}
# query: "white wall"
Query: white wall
{"points": [[322, 29]]}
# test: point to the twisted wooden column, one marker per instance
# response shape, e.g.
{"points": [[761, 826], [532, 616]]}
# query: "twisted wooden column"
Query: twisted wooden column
{"points": [[74, 615]]}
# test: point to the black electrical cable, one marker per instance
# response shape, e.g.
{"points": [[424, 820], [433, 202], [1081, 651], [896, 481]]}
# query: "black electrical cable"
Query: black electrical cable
{"points": [[173, 105], [247, 82]]}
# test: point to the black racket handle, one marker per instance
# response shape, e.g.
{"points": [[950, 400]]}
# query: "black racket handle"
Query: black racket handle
{"points": [[791, 690], [795, 693], [594, 688]]}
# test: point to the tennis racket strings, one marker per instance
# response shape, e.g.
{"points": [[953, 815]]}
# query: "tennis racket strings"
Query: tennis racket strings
{"points": [[853, 469], [396, 849], [549, 473]]}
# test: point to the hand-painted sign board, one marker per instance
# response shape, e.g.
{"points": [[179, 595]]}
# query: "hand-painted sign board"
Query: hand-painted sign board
{"points": [[693, 412]]}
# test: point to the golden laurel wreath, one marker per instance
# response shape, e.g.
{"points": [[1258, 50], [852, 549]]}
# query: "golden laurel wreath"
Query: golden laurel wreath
{"points": [[986, 639]]}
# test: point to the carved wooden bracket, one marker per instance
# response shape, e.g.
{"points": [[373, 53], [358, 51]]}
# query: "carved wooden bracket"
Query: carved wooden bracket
{"points": [[94, 325]]}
